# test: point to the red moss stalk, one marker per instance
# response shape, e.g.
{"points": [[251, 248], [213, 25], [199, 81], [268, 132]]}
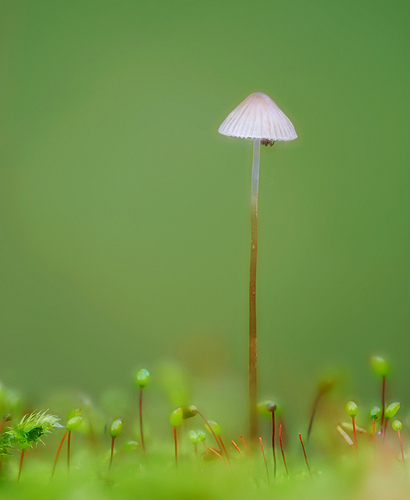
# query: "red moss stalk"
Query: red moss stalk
{"points": [[264, 458], [21, 463], [354, 432], [58, 453], [304, 453], [281, 448]]}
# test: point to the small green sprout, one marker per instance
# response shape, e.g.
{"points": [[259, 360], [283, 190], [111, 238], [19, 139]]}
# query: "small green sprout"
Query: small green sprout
{"points": [[397, 426], [380, 366], [74, 420], [115, 431], [269, 409], [391, 410], [375, 414], [352, 410], [143, 377], [176, 417]]}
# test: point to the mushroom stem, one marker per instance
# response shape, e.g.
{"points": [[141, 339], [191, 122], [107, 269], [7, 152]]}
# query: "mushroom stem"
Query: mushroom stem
{"points": [[252, 293]]}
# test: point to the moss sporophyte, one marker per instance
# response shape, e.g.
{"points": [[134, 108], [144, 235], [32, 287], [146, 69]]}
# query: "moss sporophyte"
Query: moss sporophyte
{"points": [[142, 379], [74, 420]]}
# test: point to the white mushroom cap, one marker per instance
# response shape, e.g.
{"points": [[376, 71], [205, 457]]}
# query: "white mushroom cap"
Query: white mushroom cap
{"points": [[258, 117]]}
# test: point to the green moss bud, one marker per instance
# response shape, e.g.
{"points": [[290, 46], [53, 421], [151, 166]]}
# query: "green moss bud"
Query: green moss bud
{"points": [[131, 445], [116, 428], [201, 436], [375, 413], [271, 407], [397, 425], [326, 385], [176, 417], [265, 408], [216, 427], [193, 437], [351, 409], [380, 366], [391, 410], [190, 411], [74, 413], [142, 377], [74, 423]]}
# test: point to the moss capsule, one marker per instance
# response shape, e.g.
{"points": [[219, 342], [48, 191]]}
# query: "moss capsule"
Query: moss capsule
{"points": [[380, 366], [201, 436], [397, 425], [216, 427], [190, 411], [375, 413], [116, 428], [391, 410], [351, 409], [142, 377], [74, 423], [193, 437], [176, 417]]}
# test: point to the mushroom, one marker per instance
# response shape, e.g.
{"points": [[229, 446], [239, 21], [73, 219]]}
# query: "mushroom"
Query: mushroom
{"points": [[260, 119]]}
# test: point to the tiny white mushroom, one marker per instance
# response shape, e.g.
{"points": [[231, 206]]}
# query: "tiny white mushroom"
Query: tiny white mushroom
{"points": [[260, 119]]}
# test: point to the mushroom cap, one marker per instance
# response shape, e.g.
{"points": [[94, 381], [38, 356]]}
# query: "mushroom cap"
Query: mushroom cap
{"points": [[258, 117]]}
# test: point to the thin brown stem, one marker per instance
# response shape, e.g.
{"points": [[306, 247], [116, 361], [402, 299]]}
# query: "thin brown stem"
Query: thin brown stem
{"points": [[304, 453], [224, 449], [354, 432], [246, 448], [2, 424], [385, 428], [176, 446], [281, 448], [401, 445], [374, 430], [216, 453], [209, 426], [68, 450], [237, 447], [273, 444], [58, 453], [21, 463], [196, 450], [264, 458], [253, 420], [112, 451], [141, 430], [383, 399], [312, 417]]}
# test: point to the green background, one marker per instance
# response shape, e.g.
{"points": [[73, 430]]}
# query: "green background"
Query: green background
{"points": [[125, 215]]}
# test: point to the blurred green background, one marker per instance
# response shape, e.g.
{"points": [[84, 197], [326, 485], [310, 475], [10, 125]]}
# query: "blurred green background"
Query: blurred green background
{"points": [[125, 215]]}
